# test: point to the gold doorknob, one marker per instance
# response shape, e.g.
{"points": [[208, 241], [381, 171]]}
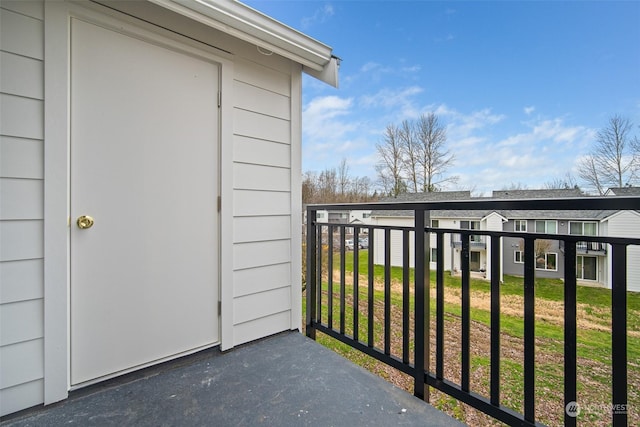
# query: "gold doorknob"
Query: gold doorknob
{"points": [[84, 221]]}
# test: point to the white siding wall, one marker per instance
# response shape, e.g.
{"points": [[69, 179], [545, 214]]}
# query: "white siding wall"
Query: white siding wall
{"points": [[626, 224], [21, 204], [262, 216]]}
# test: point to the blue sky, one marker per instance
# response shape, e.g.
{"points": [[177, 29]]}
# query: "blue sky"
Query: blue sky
{"points": [[521, 86]]}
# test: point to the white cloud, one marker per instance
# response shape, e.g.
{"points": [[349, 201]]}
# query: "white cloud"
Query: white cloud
{"points": [[323, 118], [320, 16], [529, 110]]}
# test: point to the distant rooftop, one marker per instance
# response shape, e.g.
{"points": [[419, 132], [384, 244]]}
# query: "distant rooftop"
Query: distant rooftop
{"points": [[503, 194]]}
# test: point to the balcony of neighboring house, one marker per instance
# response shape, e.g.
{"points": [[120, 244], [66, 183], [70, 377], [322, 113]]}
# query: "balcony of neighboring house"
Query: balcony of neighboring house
{"points": [[526, 350]]}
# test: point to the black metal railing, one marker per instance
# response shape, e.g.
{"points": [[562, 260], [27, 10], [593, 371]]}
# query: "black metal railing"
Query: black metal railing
{"points": [[414, 358]]}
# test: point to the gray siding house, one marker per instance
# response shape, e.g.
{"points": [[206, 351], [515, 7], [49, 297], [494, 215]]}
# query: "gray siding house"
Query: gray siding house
{"points": [[150, 185], [593, 263]]}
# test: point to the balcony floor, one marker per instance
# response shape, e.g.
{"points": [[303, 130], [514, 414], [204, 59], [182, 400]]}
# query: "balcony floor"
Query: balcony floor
{"points": [[283, 380]]}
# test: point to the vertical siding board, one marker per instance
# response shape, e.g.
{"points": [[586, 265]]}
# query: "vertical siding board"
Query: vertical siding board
{"points": [[21, 363], [21, 158], [21, 34], [21, 199], [21, 76], [21, 321], [21, 280]]}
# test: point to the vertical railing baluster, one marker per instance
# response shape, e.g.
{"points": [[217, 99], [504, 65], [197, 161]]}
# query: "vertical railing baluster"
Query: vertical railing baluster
{"points": [[529, 331], [387, 291], [619, 333], [356, 290], [343, 277], [405, 296], [466, 313], [440, 306], [319, 275], [570, 332], [495, 320], [312, 241], [370, 283], [421, 334], [330, 278]]}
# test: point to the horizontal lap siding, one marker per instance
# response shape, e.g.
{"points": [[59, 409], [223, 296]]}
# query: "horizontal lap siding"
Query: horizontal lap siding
{"points": [[627, 224], [261, 202], [21, 205]]}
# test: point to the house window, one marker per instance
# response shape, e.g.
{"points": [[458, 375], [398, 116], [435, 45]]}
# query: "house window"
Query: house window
{"points": [[320, 215], [583, 228], [471, 225], [520, 225], [548, 227], [435, 223], [586, 268], [434, 255], [547, 261], [344, 216], [518, 257], [366, 215]]}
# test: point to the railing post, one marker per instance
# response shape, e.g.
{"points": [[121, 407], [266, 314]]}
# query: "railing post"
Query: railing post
{"points": [[619, 334], [311, 278], [570, 332], [420, 388], [529, 330]]}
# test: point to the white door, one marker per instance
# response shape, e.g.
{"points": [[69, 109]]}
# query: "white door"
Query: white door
{"points": [[144, 166]]}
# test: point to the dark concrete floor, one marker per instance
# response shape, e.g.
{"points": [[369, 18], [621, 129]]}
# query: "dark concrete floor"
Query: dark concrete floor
{"points": [[283, 380]]}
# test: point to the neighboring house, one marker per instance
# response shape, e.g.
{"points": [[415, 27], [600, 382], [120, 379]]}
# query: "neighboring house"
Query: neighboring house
{"points": [[593, 264], [164, 215], [356, 217]]}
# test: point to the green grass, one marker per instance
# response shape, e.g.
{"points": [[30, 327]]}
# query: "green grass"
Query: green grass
{"points": [[593, 344]]}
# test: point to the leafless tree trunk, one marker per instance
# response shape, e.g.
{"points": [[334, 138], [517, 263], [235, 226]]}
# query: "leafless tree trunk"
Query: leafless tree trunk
{"points": [[614, 160], [410, 153], [390, 167], [434, 159], [343, 178]]}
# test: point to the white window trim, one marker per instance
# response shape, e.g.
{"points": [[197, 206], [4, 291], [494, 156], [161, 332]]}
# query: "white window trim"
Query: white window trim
{"points": [[546, 262], [515, 260], [546, 221], [517, 222], [582, 223]]}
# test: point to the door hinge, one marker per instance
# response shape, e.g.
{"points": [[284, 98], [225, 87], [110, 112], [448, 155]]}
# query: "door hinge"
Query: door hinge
{"points": [[219, 307], [219, 203], [219, 99]]}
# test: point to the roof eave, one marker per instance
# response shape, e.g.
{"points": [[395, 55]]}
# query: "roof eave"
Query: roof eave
{"points": [[247, 24]]}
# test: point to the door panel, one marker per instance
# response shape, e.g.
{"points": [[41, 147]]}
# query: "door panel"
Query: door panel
{"points": [[144, 148]]}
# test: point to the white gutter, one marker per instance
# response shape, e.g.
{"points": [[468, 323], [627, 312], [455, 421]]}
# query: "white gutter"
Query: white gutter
{"points": [[247, 24]]}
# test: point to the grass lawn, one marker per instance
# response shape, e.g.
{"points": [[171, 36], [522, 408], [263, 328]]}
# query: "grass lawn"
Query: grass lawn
{"points": [[594, 342]]}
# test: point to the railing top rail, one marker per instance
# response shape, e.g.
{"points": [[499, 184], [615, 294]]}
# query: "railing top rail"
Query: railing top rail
{"points": [[577, 203]]}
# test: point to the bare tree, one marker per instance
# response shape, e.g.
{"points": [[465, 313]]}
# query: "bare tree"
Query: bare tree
{"points": [[614, 159], [434, 159], [343, 178], [390, 167], [514, 186], [410, 153], [565, 183]]}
